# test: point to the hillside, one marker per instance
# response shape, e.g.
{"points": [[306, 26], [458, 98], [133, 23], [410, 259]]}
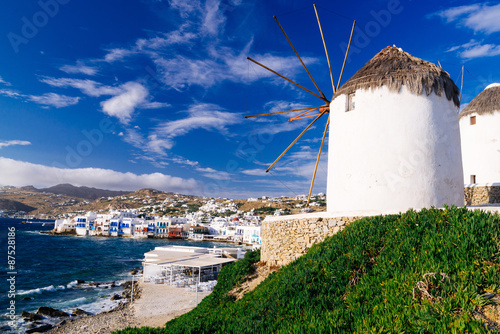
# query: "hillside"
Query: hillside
{"points": [[9, 205], [433, 271], [65, 199], [82, 192]]}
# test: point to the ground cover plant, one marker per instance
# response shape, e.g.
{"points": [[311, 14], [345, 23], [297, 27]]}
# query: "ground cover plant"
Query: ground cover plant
{"points": [[419, 272]]}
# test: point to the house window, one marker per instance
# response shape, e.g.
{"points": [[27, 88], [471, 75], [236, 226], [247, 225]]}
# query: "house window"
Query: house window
{"points": [[473, 179], [472, 120], [351, 102]]}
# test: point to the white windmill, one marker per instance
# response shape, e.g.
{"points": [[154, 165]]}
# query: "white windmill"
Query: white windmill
{"points": [[394, 139]]}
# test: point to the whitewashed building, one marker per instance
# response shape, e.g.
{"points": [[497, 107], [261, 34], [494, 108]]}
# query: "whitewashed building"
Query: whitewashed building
{"points": [[394, 140], [480, 134]]}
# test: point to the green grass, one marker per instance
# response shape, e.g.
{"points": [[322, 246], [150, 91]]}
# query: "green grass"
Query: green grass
{"points": [[362, 280]]}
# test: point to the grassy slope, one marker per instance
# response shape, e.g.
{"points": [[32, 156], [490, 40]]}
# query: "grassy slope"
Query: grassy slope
{"points": [[362, 280]]}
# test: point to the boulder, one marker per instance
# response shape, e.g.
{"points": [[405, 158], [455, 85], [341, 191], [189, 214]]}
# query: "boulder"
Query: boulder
{"points": [[79, 312], [31, 316], [51, 312], [116, 297], [39, 329]]}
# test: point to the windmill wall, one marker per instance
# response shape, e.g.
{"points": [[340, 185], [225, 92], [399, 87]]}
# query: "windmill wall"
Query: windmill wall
{"points": [[481, 149], [393, 151]]}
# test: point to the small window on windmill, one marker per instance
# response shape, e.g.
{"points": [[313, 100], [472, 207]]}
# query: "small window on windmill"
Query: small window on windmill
{"points": [[472, 120], [351, 102], [473, 179]]}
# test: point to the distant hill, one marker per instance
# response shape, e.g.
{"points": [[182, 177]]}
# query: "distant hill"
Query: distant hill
{"points": [[9, 205], [28, 188], [82, 192]]}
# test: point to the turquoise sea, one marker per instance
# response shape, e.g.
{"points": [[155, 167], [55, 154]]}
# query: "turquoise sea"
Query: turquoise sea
{"points": [[46, 269]]}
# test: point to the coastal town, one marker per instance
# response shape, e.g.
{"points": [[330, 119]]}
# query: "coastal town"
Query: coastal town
{"points": [[149, 213]]}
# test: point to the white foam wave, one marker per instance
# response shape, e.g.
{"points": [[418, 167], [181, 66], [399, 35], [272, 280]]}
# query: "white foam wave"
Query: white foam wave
{"points": [[71, 284], [49, 288]]}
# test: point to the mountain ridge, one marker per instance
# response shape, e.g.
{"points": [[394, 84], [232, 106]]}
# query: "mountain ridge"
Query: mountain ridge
{"points": [[83, 192]]}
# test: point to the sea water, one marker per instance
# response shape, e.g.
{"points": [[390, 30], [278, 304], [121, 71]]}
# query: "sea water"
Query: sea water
{"points": [[48, 269]]}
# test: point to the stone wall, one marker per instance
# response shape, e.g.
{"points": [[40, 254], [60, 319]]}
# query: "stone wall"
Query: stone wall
{"points": [[477, 195], [286, 238]]}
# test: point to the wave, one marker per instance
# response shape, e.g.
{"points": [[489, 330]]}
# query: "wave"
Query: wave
{"points": [[72, 284], [49, 288]]}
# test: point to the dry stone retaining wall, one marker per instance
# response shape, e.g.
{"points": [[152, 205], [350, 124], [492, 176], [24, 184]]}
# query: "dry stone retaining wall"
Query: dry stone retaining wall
{"points": [[477, 195], [286, 238]]}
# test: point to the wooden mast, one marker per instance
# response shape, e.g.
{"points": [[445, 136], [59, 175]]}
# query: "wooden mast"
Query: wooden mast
{"points": [[328, 122], [291, 81], [297, 54]]}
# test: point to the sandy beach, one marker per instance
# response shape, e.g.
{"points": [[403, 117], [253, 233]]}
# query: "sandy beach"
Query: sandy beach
{"points": [[158, 303]]}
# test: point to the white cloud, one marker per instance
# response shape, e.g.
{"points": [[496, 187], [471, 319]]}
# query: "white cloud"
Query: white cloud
{"points": [[54, 100], [214, 174], [154, 105], [117, 54], [192, 54], [79, 68], [478, 17], [3, 82], [255, 172], [13, 142], [181, 71], [11, 93], [88, 87], [126, 97], [475, 49], [213, 19], [19, 173], [47, 99], [204, 116], [158, 145], [185, 8], [123, 105]]}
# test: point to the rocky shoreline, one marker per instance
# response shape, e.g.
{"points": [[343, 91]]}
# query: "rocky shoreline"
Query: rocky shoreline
{"points": [[50, 320]]}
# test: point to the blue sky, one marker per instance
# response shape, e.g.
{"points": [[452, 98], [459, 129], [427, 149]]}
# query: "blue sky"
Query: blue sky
{"points": [[132, 94]]}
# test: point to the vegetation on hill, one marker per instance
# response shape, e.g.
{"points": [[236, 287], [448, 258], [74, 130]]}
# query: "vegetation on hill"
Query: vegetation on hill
{"points": [[82, 192], [419, 272], [10, 205]]}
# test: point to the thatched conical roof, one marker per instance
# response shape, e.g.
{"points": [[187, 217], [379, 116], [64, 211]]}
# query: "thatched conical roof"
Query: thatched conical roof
{"points": [[487, 102], [392, 67]]}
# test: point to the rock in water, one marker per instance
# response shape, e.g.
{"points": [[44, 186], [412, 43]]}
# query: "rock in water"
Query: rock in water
{"points": [[116, 297], [51, 312], [42, 328], [79, 312], [30, 316]]}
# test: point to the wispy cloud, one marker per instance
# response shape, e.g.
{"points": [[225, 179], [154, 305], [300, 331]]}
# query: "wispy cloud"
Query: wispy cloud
{"points": [[11, 93], [47, 99], [204, 116], [3, 82], [79, 68], [86, 86], [475, 49], [13, 142], [479, 17], [19, 173], [195, 53], [214, 174], [54, 100]]}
